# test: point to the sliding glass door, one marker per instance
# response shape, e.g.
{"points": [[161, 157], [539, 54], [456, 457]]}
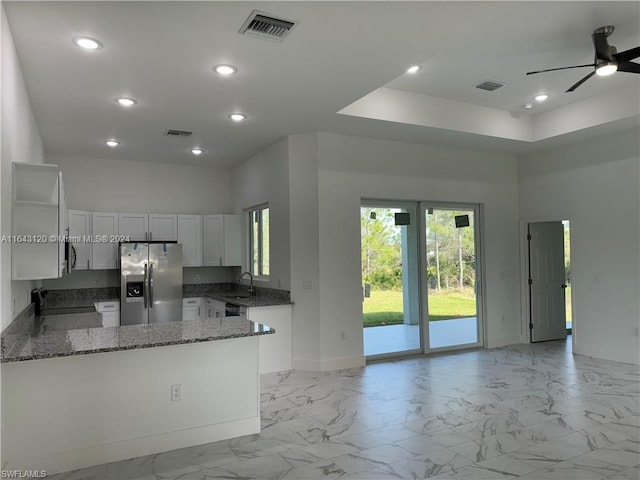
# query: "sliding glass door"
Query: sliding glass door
{"points": [[391, 307], [452, 277], [420, 277]]}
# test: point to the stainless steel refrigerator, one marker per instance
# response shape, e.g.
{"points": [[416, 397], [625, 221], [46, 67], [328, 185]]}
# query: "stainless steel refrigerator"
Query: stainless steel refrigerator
{"points": [[150, 282]]}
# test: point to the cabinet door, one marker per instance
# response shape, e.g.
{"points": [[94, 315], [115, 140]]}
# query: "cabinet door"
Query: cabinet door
{"points": [[232, 240], [213, 236], [133, 225], [190, 313], [222, 240], [163, 227], [111, 319], [190, 236], [79, 231], [63, 228], [104, 254]]}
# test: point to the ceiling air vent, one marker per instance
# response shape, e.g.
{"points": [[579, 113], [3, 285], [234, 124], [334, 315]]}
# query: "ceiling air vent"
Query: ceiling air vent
{"points": [[265, 25], [177, 133], [489, 85]]}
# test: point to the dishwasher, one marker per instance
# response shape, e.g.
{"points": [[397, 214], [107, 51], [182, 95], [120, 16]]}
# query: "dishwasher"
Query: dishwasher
{"points": [[233, 310]]}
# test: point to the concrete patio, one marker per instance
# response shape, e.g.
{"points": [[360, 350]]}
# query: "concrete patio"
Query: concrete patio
{"points": [[400, 338]]}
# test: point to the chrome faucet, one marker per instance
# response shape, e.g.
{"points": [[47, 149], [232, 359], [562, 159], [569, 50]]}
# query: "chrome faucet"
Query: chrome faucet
{"points": [[250, 279]]}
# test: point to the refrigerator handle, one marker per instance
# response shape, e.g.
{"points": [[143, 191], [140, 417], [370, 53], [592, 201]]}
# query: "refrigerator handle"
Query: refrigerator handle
{"points": [[151, 285], [144, 286]]}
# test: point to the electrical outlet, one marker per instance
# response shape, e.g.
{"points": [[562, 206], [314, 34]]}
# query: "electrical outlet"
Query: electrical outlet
{"points": [[306, 284], [636, 332], [14, 307], [343, 335], [176, 392]]}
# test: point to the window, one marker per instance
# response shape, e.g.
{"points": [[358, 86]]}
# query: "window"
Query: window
{"points": [[259, 241]]}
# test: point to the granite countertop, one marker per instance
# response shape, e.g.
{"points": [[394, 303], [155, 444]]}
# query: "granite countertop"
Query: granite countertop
{"points": [[238, 294], [243, 299], [59, 335]]}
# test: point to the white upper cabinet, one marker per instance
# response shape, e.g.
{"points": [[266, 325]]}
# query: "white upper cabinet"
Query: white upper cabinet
{"points": [[104, 251], [80, 231], [190, 236], [163, 227], [222, 240], [37, 220], [135, 226], [146, 227]]}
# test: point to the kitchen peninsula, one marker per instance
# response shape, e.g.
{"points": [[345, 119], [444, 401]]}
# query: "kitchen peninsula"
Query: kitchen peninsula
{"points": [[121, 392]]}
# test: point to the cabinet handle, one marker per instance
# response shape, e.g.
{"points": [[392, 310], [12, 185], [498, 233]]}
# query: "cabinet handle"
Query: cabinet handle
{"points": [[150, 236], [108, 306], [198, 311], [87, 264], [220, 261]]}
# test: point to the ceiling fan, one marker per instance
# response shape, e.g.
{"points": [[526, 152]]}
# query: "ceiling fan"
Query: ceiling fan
{"points": [[607, 60]]}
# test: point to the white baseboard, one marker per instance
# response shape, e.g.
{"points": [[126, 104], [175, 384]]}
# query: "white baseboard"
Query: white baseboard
{"points": [[606, 353], [502, 341], [137, 447], [313, 365]]}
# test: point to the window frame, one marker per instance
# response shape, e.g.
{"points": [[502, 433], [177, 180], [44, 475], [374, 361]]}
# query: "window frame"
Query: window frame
{"points": [[251, 247]]}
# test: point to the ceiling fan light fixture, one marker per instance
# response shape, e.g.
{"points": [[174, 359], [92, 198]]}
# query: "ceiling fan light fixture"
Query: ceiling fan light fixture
{"points": [[541, 97], [528, 106], [606, 69], [413, 69]]}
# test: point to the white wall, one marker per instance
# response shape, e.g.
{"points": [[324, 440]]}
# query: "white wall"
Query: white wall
{"points": [[305, 253], [110, 185], [596, 185], [20, 143], [262, 179], [352, 168]]}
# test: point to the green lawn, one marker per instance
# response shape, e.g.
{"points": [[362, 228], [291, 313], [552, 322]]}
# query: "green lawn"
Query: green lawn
{"points": [[384, 307]]}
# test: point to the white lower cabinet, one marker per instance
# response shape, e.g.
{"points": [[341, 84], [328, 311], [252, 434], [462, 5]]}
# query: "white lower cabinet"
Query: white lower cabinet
{"points": [[192, 309], [110, 312], [275, 349], [214, 308]]}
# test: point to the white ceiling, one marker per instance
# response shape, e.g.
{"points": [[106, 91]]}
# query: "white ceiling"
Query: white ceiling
{"points": [[162, 54]]}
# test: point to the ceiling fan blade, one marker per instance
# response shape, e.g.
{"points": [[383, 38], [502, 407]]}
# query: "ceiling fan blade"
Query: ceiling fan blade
{"points": [[601, 45], [562, 68], [627, 55], [629, 67], [580, 82]]}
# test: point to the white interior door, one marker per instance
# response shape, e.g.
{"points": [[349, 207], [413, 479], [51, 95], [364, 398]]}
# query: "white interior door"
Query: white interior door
{"points": [[547, 281]]}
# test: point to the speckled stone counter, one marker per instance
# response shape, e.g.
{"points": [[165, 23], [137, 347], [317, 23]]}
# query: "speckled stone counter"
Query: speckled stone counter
{"points": [[238, 294], [49, 343]]}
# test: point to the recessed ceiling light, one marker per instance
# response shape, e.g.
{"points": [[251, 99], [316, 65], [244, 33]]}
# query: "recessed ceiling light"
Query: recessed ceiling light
{"points": [[413, 69], [225, 69], [126, 102], [197, 151], [237, 117], [112, 143], [541, 98], [87, 43], [528, 106]]}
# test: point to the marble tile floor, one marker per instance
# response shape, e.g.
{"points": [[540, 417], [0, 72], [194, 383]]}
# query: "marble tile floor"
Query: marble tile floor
{"points": [[523, 411]]}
